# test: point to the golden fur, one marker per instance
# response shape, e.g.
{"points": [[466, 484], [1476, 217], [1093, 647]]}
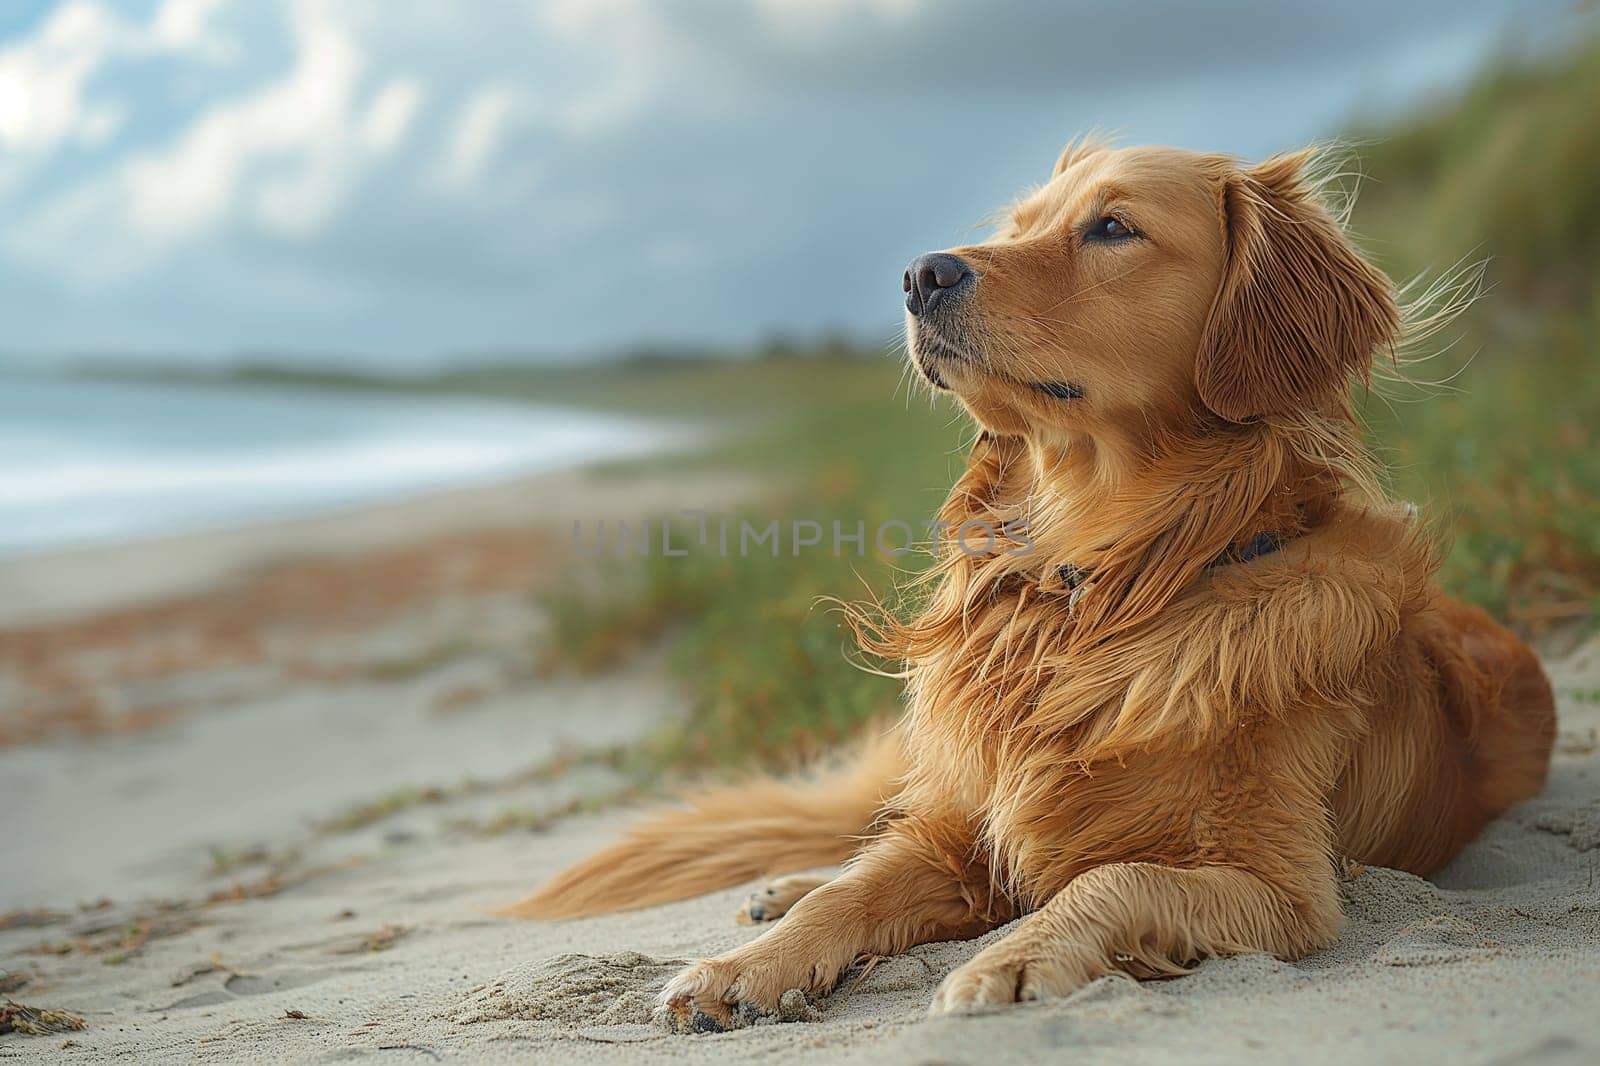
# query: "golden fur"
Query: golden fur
{"points": [[1165, 761]]}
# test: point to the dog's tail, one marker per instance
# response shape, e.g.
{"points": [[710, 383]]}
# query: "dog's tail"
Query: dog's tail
{"points": [[728, 835]]}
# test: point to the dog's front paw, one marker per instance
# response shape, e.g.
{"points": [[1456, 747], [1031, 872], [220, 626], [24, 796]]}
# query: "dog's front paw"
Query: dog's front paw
{"points": [[715, 995], [1001, 975]]}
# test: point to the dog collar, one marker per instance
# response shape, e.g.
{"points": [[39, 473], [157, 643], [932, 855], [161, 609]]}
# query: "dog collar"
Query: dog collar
{"points": [[1264, 543]]}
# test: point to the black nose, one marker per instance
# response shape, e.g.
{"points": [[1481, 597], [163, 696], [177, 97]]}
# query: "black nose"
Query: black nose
{"points": [[929, 277]]}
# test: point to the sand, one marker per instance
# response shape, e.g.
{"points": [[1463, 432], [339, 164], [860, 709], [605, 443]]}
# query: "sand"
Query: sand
{"points": [[296, 865]]}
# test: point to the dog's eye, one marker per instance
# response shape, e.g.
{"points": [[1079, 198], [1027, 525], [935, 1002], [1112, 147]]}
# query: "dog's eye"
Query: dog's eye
{"points": [[1109, 228]]}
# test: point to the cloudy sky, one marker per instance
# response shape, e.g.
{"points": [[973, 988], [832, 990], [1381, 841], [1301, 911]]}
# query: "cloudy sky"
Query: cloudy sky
{"points": [[409, 181]]}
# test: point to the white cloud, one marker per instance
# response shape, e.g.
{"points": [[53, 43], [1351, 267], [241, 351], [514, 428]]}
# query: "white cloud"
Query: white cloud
{"points": [[301, 120], [282, 158], [630, 50], [187, 26], [390, 114], [44, 103], [42, 80], [477, 133]]}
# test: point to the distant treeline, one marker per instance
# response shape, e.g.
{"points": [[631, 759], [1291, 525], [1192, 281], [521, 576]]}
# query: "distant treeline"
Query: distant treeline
{"points": [[469, 373]]}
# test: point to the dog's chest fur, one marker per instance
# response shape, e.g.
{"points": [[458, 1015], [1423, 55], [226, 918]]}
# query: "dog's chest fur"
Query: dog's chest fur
{"points": [[1141, 748], [1004, 745]]}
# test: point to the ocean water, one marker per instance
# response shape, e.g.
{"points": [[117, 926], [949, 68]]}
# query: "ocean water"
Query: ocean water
{"points": [[84, 462]]}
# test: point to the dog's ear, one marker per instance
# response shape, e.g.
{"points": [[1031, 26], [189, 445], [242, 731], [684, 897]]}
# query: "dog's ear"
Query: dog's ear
{"points": [[1299, 310]]}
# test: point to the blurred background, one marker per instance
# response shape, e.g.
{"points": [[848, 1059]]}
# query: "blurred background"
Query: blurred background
{"points": [[321, 323]]}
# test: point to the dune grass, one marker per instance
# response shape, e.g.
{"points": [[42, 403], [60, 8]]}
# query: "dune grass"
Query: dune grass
{"points": [[1504, 450], [767, 667]]}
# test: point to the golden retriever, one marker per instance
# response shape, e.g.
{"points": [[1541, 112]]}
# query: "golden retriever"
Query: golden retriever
{"points": [[1221, 665]]}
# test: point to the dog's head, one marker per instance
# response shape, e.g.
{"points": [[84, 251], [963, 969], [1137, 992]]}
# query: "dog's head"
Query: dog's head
{"points": [[1145, 287]]}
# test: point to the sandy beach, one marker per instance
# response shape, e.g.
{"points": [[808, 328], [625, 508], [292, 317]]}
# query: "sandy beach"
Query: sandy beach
{"points": [[435, 437], [262, 787]]}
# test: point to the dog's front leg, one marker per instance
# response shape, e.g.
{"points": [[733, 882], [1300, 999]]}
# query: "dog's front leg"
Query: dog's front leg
{"points": [[1148, 920], [918, 882]]}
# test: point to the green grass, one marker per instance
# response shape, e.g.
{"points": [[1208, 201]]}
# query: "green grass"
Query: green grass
{"points": [[1504, 455], [767, 667], [1509, 472]]}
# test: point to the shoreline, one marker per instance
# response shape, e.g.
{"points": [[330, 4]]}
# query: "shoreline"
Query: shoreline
{"points": [[148, 461], [53, 586]]}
